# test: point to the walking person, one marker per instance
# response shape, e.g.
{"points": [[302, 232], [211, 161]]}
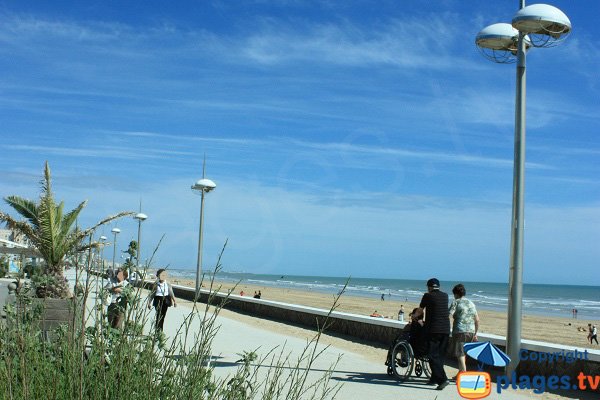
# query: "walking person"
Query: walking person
{"points": [[162, 297], [118, 302], [593, 333], [465, 325], [437, 331]]}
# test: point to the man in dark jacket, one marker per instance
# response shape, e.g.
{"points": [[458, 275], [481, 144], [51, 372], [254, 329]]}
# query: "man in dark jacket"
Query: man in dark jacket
{"points": [[437, 330]]}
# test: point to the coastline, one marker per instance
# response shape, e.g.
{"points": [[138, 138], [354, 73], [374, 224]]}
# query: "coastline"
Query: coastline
{"points": [[555, 329]]}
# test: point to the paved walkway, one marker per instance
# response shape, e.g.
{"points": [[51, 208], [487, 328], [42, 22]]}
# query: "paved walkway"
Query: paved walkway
{"points": [[360, 378]]}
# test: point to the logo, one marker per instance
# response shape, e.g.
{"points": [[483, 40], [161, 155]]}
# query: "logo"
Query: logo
{"points": [[474, 385]]}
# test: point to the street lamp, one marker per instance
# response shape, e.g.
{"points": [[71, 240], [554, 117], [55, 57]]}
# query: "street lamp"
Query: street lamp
{"points": [[538, 25], [141, 217], [102, 240], [115, 232], [203, 186]]}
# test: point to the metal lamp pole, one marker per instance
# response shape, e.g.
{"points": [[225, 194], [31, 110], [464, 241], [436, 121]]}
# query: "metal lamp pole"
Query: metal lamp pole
{"points": [[102, 240], [203, 186], [115, 232], [515, 281], [141, 218], [538, 25]]}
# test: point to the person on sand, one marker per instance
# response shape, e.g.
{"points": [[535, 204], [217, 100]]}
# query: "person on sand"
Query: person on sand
{"points": [[593, 335], [465, 326], [161, 297], [437, 329], [401, 313], [376, 314]]}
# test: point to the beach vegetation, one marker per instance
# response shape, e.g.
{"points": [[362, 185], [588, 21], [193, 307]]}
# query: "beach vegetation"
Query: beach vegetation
{"points": [[88, 359], [53, 233]]}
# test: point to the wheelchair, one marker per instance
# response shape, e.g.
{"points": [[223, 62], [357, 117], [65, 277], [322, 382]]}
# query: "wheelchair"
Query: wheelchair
{"points": [[403, 361]]}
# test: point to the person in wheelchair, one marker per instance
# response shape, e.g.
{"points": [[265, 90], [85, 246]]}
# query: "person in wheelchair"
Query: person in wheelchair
{"points": [[414, 333], [408, 352]]}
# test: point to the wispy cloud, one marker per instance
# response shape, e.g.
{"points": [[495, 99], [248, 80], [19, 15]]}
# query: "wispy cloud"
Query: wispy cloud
{"points": [[98, 152], [444, 157], [409, 43]]}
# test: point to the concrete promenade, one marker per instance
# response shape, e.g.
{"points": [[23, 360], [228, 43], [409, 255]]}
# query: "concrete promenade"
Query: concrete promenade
{"points": [[359, 377]]}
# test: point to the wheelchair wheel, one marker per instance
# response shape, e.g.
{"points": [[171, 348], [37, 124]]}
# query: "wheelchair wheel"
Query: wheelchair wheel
{"points": [[402, 360]]}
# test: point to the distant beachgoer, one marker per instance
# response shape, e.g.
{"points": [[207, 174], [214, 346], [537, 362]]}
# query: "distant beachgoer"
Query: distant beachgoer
{"points": [[401, 314], [593, 335], [259, 295], [382, 296], [161, 297], [241, 293], [118, 304], [575, 313], [376, 314], [465, 326], [255, 295], [437, 328]]}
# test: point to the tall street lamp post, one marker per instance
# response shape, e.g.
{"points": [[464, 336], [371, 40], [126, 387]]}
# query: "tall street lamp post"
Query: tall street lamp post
{"points": [[538, 25], [141, 217], [202, 186], [115, 232], [103, 241]]}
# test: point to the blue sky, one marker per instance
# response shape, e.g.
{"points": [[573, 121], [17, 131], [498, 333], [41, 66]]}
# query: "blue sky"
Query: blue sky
{"points": [[346, 138]]}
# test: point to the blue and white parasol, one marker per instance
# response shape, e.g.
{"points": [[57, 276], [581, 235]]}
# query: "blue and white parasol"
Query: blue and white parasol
{"points": [[486, 353]]}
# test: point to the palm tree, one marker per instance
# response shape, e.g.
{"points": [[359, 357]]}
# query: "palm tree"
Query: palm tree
{"points": [[52, 233]]}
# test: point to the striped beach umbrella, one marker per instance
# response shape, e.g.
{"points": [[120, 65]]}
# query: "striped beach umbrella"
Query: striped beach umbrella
{"points": [[486, 353]]}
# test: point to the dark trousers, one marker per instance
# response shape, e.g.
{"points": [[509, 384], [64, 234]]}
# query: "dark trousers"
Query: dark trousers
{"points": [[594, 337], [438, 343], [161, 311], [115, 316]]}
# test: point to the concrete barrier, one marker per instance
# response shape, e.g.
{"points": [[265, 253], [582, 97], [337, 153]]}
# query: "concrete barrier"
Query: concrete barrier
{"points": [[382, 331]]}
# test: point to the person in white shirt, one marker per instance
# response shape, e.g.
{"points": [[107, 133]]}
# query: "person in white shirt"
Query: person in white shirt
{"points": [[118, 304], [161, 298]]}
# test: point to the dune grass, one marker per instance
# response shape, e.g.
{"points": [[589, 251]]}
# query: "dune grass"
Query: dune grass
{"points": [[87, 359]]}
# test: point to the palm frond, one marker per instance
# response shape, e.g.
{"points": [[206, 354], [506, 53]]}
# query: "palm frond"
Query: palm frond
{"points": [[25, 207], [104, 221], [71, 217], [46, 183], [20, 226]]}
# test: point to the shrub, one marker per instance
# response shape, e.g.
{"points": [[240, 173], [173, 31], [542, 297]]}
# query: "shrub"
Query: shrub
{"points": [[90, 360]]}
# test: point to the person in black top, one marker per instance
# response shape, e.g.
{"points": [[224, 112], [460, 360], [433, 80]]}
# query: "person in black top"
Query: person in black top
{"points": [[437, 330]]}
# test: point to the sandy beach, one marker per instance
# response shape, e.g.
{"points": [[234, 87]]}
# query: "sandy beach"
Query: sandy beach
{"points": [[561, 330]]}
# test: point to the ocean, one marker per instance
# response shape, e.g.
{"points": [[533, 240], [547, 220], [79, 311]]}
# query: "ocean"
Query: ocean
{"points": [[538, 299]]}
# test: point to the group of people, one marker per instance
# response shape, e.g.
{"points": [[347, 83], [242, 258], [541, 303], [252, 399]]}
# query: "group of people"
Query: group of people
{"points": [[161, 298], [431, 334]]}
